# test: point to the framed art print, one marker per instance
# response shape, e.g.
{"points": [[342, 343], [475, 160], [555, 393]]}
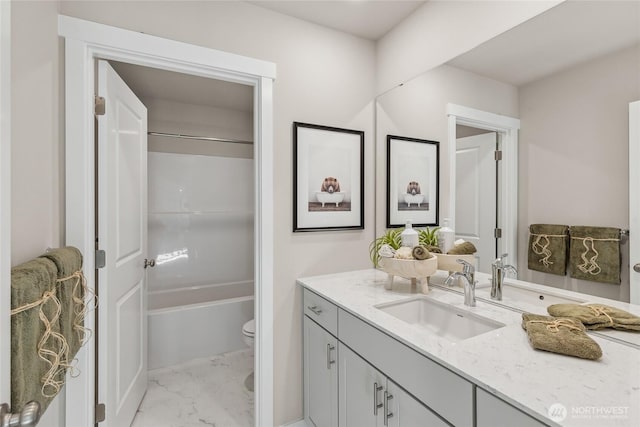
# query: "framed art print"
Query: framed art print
{"points": [[412, 181], [328, 178]]}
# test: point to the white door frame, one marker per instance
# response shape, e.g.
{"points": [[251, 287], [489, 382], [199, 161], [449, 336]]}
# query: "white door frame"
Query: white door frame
{"points": [[5, 202], [634, 201], [508, 128], [84, 42]]}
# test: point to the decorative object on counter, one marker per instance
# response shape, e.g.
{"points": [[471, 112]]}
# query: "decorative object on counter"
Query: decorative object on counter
{"points": [[548, 248], [595, 254], [462, 248], [428, 237], [412, 181], [420, 253], [560, 335], [386, 251], [413, 269], [328, 178], [48, 306], [446, 237], [409, 236], [597, 316], [404, 253], [390, 238]]}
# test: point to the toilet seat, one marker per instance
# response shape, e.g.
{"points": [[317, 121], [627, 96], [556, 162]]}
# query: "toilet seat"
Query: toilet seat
{"points": [[249, 328]]}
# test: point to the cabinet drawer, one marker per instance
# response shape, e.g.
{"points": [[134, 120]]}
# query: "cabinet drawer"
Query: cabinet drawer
{"points": [[321, 311], [443, 391], [492, 411]]}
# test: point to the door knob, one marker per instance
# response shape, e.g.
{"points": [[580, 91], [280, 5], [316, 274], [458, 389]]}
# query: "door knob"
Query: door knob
{"points": [[149, 263], [636, 268], [28, 417]]}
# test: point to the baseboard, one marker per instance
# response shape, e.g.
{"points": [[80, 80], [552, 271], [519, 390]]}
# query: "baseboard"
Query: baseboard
{"points": [[299, 423]]}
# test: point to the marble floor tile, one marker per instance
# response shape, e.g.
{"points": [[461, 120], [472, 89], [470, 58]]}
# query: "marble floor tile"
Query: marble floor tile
{"points": [[202, 392]]}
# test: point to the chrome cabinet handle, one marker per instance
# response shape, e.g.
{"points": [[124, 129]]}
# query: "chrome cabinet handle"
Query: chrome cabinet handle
{"points": [[28, 417], [387, 414], [376, 405], [636, 268], [149, 263], [315, 309], [329, 361]]}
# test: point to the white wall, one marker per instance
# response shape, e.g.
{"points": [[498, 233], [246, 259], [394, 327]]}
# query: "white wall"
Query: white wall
{"points": [[441, 30], [36, 199], [36, 180], [574, 156], [324, 77], [418, 110]]}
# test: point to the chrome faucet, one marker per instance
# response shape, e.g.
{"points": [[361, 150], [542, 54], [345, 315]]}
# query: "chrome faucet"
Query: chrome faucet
{"points": [[468, 282], [498, 271]]}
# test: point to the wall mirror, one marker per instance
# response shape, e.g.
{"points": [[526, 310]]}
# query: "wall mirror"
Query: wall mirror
{"points": [[567, 77]]}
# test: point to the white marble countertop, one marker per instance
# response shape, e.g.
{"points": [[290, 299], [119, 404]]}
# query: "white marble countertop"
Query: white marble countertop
{"points": [[594, 393]]}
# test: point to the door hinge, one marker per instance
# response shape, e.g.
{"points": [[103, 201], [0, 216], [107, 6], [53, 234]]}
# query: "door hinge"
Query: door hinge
{"points": [[497, 155], [101, 258], [99, 104], [101, 413], [497, 233]]}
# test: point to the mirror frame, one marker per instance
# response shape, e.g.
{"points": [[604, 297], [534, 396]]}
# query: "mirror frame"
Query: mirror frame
{"points": [[508, 128]]}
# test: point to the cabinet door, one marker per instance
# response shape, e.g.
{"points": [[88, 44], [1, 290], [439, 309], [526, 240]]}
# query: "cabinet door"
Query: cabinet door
{"points": [[492, 412], [403, 410], [361, 391], [320, 376]]}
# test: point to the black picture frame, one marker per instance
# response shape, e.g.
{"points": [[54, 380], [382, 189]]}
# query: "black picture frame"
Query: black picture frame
{"points": [[328, 178], [413, 181]]}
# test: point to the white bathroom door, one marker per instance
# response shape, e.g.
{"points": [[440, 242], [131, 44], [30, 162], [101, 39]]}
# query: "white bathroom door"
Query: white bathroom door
{"points": [[122, 234], [476, 195], [634, 201]]}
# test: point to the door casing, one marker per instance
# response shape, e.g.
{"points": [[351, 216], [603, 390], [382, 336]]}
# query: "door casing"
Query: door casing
{"points": [[508, 128], [84, 43]]}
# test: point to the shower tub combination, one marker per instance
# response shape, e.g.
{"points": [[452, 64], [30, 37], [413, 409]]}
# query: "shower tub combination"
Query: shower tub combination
{"points": [[199, 321]]}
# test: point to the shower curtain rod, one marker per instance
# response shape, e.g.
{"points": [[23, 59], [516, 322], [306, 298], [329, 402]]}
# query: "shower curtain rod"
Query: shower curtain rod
{"points": [[200, 138]]}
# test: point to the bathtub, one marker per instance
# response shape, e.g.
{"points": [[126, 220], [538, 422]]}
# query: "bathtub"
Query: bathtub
{"points": [[201, 321]]}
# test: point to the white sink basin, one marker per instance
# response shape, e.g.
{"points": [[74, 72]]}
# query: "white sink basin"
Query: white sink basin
{"points": [[528, 299], [440, 319]]}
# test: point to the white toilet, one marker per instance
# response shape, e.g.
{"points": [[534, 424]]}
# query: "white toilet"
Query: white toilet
{"points": [[248, 333]]}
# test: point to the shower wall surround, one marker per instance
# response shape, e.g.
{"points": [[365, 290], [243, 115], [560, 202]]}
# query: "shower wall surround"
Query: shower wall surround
{"points": [[200, 220]]}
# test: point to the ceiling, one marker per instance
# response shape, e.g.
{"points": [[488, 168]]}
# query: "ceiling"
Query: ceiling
{"points": [[566, 35], [370, 19], [184, 88]]}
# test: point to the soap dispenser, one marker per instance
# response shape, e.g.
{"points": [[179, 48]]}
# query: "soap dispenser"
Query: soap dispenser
{"points": [[409, 236], [446, 236]]}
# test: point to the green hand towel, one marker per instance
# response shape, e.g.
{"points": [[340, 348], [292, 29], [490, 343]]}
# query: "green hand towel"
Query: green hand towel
{"points": [[595, 254], [548, 248], [68, 261], [597, 316], [29, 282], [560, 335]]}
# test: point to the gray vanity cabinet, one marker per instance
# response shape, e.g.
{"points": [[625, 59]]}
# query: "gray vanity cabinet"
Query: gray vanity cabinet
{"points": [[368, 398], [320, 376], [320, 361], [491, 412]]}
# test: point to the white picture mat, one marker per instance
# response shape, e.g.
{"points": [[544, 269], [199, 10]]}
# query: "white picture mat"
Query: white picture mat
{"points": [[412, 161], [323, 153]]}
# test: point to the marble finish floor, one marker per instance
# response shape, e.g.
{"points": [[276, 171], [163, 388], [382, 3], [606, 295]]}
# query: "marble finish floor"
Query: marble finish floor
{"points": [[202, 392]]}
